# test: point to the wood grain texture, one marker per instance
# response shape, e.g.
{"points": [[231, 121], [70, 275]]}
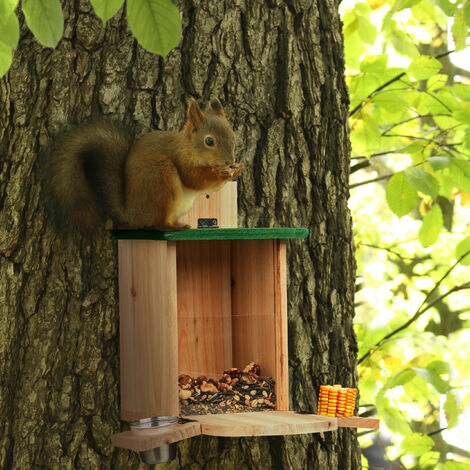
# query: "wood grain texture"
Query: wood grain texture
{"points": [[281, 366], [221, 205], [259, 310], [358, 422], [148, 439], [204, 311], [268, 423], [148, 329]]}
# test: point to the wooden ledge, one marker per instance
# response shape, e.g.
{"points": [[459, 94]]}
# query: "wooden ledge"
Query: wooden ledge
{"points": [[148, 439], [269, 423], [358, 422], [263, 423]]}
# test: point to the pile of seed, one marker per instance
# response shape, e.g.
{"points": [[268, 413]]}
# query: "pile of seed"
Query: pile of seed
{"points": [[236, 391]]}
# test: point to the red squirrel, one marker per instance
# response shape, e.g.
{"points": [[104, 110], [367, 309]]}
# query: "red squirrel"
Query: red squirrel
{"points": [[94, 172]]}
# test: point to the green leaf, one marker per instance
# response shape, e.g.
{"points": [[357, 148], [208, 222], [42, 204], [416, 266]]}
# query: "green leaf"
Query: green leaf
{"points": [[416, 444], [391, 101], [6, 56], [416, 146], [402, 43], [401, 378], [446, 122], [374, 63], [462, 91], [466, 8], [466, 139], [429, 376], [401, 196], [429, 460], [365, 135], [362, 8], [9, 30], [106, 9], [361, 85], [437, 82], [451, 409], [439, 162], [460, 30], [431, 226], [424, 67], [366, 30], [45, 19], [155, 23], [457, 173], [453, 465], [462, 165], [392, 418], [439, 367], [463, 116], [462, 248], [353, 48], [402, 4], [446, 6], [7, 7], [422, 181]]}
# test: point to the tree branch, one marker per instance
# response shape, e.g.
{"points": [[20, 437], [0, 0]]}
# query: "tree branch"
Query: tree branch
{"points": [[419, 116], [424, 307], [386, 84], [374, 180]]}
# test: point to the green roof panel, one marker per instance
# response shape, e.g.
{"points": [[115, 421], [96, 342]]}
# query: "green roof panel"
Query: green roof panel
{"points": [[211, 234]]}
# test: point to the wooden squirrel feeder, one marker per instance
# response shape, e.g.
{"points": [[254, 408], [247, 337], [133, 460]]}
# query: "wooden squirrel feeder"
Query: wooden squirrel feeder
{"points": [[198, 302]]}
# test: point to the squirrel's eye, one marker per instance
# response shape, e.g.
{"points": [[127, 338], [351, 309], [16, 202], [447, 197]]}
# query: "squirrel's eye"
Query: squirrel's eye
{"points": [[209, 141]]}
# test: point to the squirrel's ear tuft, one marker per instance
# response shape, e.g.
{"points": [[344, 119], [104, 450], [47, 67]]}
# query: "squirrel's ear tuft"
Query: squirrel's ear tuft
{"points": [[195, 115], [216, 107]]}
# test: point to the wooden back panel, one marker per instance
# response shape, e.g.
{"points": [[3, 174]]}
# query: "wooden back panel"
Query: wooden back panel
{"points": [[148, 329], [204, 311], [259, 310]]}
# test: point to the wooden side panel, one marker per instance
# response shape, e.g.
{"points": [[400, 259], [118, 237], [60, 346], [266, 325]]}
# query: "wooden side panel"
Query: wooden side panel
{"points": [[148, 329], [204, 309], [221, 205], [259, 310]]}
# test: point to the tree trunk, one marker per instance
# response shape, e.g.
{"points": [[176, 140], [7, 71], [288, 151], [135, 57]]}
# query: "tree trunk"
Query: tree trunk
{"points": [[277, 66]]}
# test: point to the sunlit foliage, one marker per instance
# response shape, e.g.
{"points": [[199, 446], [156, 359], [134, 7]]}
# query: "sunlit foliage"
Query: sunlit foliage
{"points": [[410, 198]]}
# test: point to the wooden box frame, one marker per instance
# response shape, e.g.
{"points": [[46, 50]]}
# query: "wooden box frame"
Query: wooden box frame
{"points": [[198, 308]]}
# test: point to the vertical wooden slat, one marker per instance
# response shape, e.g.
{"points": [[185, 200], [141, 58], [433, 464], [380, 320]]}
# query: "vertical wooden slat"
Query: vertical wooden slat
{"points": [[148, 328], [281, 374], [204, 310], [253, 297], [221, 205]]}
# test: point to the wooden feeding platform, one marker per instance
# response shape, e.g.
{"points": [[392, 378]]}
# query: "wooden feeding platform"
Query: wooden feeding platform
{"points": [[198, 302]]}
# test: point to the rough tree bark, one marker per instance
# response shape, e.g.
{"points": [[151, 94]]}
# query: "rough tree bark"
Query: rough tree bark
{"points": [[277, 66]]}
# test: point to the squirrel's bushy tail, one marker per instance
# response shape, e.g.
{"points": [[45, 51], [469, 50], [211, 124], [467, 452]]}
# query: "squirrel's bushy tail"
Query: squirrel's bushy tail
{"points": [[83, 176]]}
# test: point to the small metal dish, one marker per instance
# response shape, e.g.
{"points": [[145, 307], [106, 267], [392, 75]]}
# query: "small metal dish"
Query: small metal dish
{"points": [[162, 454], [152, 422]]}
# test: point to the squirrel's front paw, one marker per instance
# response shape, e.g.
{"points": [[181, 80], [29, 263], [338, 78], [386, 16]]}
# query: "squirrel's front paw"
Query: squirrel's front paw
{"points": [[237, 169], [225, 173]]}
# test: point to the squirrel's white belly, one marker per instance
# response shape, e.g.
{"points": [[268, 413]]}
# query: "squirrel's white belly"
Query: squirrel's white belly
{"points": [[187, 200]]}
